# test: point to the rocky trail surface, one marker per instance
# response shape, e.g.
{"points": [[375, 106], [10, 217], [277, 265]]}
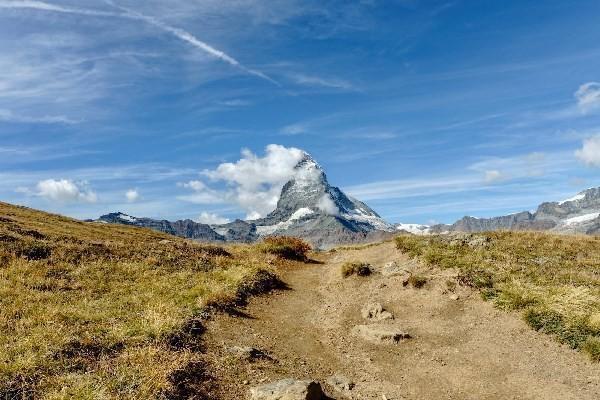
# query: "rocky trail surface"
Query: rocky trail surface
{"points": [[380, 337]]}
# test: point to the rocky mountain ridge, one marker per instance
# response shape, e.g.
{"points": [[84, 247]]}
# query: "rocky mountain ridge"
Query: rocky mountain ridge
{"points": [[578, 214], [308, 207]]}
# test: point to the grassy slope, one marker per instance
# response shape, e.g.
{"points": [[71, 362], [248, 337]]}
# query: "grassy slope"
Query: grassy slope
{"points": [[553, 279], [89, 310]]}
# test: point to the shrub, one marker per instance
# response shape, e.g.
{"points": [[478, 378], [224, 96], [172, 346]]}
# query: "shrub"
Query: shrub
{"points": [[592, 347], [287, 247], [356, 268], [417, 281], [410, 245]]}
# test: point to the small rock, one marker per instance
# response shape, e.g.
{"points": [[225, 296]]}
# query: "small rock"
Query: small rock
{"points": [[380, 333], [392, 268], [288, 389], [248, 353], [165, 241], [454, 296], [375, 311], [340, 383]]}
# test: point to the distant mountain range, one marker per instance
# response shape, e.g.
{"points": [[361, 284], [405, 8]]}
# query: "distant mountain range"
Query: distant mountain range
{"points": [[578, 214], [310, 208]]}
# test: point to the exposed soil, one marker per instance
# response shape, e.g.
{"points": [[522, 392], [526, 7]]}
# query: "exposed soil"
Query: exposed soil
{"points": [[459, 348]]}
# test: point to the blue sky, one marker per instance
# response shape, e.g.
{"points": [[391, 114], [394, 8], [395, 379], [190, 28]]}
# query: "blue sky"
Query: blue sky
{"points": [[426, 110]]}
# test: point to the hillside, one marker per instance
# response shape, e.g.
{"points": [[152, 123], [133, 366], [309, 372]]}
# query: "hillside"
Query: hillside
{"points": [[92, 310]]}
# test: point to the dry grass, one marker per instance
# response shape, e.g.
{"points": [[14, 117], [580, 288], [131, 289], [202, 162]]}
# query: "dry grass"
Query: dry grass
{"points": [[355, 268], [286, 247], [417, 281], [553, 279], [97, 311]]}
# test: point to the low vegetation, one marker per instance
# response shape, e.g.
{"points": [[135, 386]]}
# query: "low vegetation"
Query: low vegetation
{"points": [[91, 310], [553, 279], [355, 268], [287, 247], [417, 281]]}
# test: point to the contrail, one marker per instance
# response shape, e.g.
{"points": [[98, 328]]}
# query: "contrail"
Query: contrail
{"points": [[38, 5], [191, 39], [131, 14]]}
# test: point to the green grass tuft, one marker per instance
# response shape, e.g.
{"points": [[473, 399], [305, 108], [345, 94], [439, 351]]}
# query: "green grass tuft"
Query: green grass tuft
{"points": [[355, 268]]}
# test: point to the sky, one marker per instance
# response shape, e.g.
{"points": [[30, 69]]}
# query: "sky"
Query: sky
{"points": [[426, 110]]}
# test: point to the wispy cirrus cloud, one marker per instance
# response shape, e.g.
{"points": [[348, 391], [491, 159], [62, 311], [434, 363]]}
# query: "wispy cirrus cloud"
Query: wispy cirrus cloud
{"points": [[316, 81], [9, 116], [588, 97], [132, 14]]}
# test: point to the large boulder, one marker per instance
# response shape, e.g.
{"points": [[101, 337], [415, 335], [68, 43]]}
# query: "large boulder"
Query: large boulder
{"points": [[288, 389]]}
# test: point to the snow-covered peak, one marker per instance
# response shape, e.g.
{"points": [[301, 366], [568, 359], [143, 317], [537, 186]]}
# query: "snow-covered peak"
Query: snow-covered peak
{"points": [[579, 196], [125, 217], [415, 229]]}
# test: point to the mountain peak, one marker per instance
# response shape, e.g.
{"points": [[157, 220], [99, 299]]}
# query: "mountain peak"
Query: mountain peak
{"points": [[309, 205]]}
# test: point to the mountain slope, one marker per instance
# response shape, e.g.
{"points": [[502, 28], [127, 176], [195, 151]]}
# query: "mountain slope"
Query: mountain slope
{"points": [[578, 214], [308, 207], [94, 310]]}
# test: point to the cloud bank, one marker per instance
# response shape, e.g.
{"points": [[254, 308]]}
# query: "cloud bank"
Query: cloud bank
{"points": [[253, 183], [65, 191]]}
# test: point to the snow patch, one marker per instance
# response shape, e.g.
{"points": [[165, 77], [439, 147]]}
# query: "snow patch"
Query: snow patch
{"points": [[270, 229], [582, 218], [580, 196], [415, 229], [370, 219], [125, 217]]}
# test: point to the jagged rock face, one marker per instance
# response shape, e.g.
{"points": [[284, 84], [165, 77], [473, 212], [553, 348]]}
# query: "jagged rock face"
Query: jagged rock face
{"points": [[184, 228], [309, 207], [579, 214], [238, 231]]}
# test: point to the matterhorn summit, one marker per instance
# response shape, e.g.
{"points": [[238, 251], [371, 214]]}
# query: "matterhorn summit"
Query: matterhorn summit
{"points": [[311, 208]]}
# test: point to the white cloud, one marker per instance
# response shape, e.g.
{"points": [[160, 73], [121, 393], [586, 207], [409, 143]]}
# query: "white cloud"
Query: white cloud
{"points": [[212, 219], [493, 176], [588, 97], [327, 205], [132, 195], [253, 183], [65, 191], [590, 152]]}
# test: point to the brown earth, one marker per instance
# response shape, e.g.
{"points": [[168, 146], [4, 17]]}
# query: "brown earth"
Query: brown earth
{"points": [[460, 348]]}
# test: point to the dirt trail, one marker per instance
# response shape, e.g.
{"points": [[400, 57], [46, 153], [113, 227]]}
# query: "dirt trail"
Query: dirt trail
{"points": [[460, 348]]}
